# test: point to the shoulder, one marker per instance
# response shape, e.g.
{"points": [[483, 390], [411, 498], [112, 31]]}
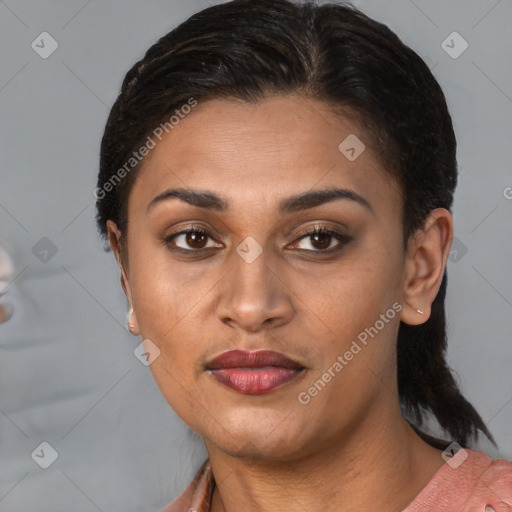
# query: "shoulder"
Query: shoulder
{"points": [[197, 495], [469, 482], [491, 484]]}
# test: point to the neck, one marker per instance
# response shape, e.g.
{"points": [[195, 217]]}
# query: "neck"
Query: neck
{"points": [[382, 465]]}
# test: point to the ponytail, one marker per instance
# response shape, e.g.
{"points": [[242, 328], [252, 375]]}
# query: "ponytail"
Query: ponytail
{"points": [[425, 381]]}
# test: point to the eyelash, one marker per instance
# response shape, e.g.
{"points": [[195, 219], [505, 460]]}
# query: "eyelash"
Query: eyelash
{"points": [[321, 230]]}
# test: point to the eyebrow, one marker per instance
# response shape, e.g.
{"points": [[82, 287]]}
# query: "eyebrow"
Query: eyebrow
{"points": [[292, 204]]}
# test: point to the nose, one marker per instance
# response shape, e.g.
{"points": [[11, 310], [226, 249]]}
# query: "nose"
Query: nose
{"points": [[254, 295]]}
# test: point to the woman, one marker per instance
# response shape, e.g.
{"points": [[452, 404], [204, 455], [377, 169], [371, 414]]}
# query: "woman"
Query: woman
{"points": [[276, 182]]}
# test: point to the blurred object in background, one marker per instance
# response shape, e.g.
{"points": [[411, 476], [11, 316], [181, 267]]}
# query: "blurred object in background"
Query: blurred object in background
{"points": [[6, 273]]}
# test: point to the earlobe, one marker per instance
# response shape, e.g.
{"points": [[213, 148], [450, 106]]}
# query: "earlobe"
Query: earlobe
{"points": [[427, 253], [131, 322]]}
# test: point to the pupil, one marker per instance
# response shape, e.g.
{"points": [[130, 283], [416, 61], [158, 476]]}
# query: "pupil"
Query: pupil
{"points": [[192, 239], [322, 236]]}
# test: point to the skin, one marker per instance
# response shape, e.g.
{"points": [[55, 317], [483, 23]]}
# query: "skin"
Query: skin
{"points": [[349, 448]]}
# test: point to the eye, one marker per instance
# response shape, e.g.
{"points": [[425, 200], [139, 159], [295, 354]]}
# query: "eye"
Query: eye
{"points": [[322, 238], [192, 239]]}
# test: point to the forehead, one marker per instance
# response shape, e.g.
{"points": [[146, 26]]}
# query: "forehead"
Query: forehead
{"points": [[255, 152]]}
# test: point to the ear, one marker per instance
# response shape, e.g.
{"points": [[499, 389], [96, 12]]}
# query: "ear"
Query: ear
{"points": [[427, 253], [114, 238]]}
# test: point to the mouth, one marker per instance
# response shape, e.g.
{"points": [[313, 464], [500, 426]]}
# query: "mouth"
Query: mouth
{"points": [[254, 373]]}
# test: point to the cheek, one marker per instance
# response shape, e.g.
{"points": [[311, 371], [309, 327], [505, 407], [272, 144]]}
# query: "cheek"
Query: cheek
{"points": [[172, 305], [174, 299], [359, 307], [357, 291], [160, 295]]}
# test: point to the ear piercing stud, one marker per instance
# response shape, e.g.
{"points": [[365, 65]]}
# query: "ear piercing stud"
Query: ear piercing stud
{"points": [[420, 312]]}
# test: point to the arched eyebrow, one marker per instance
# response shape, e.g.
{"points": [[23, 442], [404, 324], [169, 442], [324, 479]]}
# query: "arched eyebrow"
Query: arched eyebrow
{"points": [[315, 198], [299, 202]]}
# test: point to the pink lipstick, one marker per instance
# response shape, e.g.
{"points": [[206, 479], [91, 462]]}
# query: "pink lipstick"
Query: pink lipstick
{"points": [[254, 373]]}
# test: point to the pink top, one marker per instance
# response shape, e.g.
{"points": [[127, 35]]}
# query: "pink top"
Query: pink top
{"points": [[468, 482]]}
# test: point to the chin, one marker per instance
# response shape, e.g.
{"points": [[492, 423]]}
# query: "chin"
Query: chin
{"points": [[249, 438]]}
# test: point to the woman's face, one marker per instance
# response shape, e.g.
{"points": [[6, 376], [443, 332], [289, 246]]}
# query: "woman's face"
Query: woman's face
{"points": [[253, 281]]}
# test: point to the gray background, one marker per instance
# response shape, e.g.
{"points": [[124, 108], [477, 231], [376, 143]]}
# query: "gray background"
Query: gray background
{"points": [[68, 375]]}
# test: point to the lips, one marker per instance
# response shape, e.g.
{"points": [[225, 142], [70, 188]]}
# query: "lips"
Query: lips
{"points": [[254, 373], [246, 359]]}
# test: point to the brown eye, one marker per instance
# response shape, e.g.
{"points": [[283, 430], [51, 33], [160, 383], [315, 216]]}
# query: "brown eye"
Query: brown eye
{"points": [[193, 239], [321, 239]]}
